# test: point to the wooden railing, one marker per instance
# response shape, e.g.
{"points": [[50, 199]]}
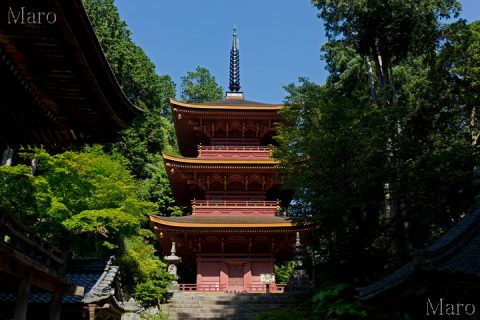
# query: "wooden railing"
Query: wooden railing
{"points": [[253, 288], [273, 288], [234, 141], [15, 236], [234, 148], [233, 203], [254, 152], [202, 287]]}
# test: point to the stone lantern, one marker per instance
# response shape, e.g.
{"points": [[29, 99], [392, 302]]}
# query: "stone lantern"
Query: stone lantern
{"points": [[172, 260], [299, 280]]}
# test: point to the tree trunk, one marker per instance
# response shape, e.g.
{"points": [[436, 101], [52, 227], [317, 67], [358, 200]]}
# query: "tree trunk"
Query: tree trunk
{"points": [[395, 208], [475, 126], [371, 82]]}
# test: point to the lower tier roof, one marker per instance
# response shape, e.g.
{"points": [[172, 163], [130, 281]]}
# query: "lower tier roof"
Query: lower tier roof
{"points": [[233, 223]]}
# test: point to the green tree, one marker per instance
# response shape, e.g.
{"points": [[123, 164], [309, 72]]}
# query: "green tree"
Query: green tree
{"points": [[200, 86], [412, 125], [152, 133], [284, 271], [332, 146], [89, 202], [147, 276], [133, 69], [386, 34]]}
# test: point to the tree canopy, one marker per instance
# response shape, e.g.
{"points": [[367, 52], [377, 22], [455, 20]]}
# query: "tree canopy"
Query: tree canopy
{"points": [[152, 133], [200, 86], [89, 203], [383, 152]]}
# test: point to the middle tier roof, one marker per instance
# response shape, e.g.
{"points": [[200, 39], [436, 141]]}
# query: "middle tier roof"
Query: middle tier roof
{"points": [[198, 178]]}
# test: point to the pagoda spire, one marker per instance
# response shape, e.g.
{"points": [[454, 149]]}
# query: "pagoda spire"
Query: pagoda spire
{"points": [[234, 84]]}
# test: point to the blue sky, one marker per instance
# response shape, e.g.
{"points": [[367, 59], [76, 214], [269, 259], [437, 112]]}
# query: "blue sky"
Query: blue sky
{"points": [[280, 40]]}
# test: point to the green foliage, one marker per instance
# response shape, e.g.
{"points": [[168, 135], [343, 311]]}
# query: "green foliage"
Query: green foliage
{"points": [[140, 150], [160, 316], [330, 303], [92, 196], [134, 71], [152, 133], [284, 272], [200, 86], [392, 29], [147, 273], [23, 195], [398, 116], [333, 147], [90, 202]]}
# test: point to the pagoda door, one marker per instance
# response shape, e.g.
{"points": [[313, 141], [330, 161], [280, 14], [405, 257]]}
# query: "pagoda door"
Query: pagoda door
{"points": [[235, 277]]}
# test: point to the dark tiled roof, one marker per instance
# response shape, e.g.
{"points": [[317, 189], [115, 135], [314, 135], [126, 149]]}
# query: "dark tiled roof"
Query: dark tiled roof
{"points": [[102, 289], [83, 272], [96, 275], [456, 253], [106, 288]]}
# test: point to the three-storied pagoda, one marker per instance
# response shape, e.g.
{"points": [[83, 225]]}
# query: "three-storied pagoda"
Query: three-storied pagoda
{"points": [[226, 174]]}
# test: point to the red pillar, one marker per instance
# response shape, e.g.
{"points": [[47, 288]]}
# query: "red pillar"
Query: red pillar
{"points": [[247, 279]]}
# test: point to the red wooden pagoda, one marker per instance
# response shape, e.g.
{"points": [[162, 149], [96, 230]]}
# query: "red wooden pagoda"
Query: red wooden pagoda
{"points": [[226, 175]]}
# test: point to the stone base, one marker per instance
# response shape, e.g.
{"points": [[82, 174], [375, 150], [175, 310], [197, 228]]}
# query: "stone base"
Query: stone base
{"points": [[299, 282], [174, 286]]}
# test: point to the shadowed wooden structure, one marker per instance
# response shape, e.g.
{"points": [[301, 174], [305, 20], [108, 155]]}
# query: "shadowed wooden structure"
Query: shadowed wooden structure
{"points": [[57, 90], [443, 275], [57, 87]]}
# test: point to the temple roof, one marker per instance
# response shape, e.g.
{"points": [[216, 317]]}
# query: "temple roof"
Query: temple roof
{"points": [[181, 171], [220, 161], [95, 275], [207, 123], [56, 84], [230, 223], [82, 272], [107, 290], [456, 254], [228, 104]]}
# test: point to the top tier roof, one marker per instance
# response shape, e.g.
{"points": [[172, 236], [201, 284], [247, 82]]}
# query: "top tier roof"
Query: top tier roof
{"points": [[228, 104], [226, 122], [57, 86]]}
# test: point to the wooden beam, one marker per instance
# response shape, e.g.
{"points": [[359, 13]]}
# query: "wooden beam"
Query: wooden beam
{"points": [[56, 306], [21, 304], [91, 311]]}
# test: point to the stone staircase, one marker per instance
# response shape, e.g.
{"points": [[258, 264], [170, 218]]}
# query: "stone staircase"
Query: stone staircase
{"points": [[237, 306]]}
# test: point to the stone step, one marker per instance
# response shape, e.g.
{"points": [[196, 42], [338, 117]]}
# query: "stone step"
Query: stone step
{"points": [[191, 317], [235, 306], [241, 299], [213, 310], [226, 303]]}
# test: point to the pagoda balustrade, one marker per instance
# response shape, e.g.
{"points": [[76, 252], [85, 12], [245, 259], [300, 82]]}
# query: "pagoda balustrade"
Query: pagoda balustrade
{"points": [[221, 152], [234, 141], [231, 207]]}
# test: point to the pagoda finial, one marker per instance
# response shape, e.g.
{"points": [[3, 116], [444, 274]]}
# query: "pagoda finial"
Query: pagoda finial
{"points": [[234, 84]]}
